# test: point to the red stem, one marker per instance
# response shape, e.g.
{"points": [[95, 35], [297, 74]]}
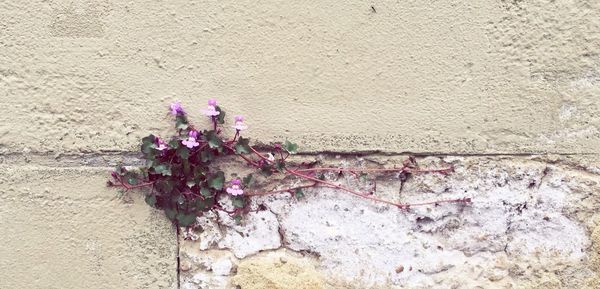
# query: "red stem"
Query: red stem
{"points": [[355, 170], [130, 187], [259, 155], [242, 156], [366, 196]]}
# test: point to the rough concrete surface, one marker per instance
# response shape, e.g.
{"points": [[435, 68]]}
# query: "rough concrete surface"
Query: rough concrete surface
{"points": [[485, 76]]}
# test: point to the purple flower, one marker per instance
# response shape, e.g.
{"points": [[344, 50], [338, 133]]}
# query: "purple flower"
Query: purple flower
{"points": [[235, 188], [212, 108], [176, 108], [193, 134], [160, 144], [239, 123], [190, 142]]}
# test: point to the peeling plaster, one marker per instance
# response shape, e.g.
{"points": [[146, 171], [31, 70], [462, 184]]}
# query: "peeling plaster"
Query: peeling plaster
{"points": [[522, 222]]}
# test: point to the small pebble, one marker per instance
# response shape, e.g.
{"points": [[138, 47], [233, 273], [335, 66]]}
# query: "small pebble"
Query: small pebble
{"points": [[185, 266]]}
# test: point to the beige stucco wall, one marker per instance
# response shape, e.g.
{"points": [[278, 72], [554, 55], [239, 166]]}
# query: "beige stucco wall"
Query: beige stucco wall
{"points": [[422, 76], [61, 228], [82, 81]]}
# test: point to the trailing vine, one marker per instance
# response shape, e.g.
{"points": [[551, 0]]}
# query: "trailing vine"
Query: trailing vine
{"points": [[184, 180]]}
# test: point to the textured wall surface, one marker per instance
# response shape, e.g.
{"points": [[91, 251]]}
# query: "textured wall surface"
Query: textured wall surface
{"points": [[489, 76], [513, 86], [61, 228]]}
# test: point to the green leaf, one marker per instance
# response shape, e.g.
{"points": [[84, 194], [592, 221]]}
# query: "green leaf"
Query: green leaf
{"points": [[150, 200], [181, 122], [190, 183], [180, 200], [242, 146], [175, 143], [238, 202], [206, 156], [247, 180], [163, 170], [204, 191], [299, 193], [183, 152], [199, 171], [291, 148], [216, 182], [213, 140], [185, 220], [149, 163], [164, 186], [148, 144], [200, 204], [131, 177], [210, 202], [170, 214], [237, 218], [221, 116]]}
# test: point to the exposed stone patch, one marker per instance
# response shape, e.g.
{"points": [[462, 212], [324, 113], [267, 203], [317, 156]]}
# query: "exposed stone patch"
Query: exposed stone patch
{"points": [[528, 227], [279, 270], [258, 232], [206, 269]]}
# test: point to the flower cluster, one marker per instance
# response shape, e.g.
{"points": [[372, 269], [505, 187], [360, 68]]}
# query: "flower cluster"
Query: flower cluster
{"points": [[184, 182], [191, 142], [212, 108], [176, 108], [235, 188], [239, 123]]}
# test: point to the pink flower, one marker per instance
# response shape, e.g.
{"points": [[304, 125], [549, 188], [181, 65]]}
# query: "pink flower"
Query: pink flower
{"points": [[239, 123], [190, 142], [176, 108], [160, 144], [212, 108], [193, 134], [235, 188]]}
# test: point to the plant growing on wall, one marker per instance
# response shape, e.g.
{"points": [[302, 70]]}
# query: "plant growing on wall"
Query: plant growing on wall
{"points": [[184, 180]]}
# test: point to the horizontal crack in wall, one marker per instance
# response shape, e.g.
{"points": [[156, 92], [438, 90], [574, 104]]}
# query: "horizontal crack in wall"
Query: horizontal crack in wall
{"points": [[109, 158]]}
